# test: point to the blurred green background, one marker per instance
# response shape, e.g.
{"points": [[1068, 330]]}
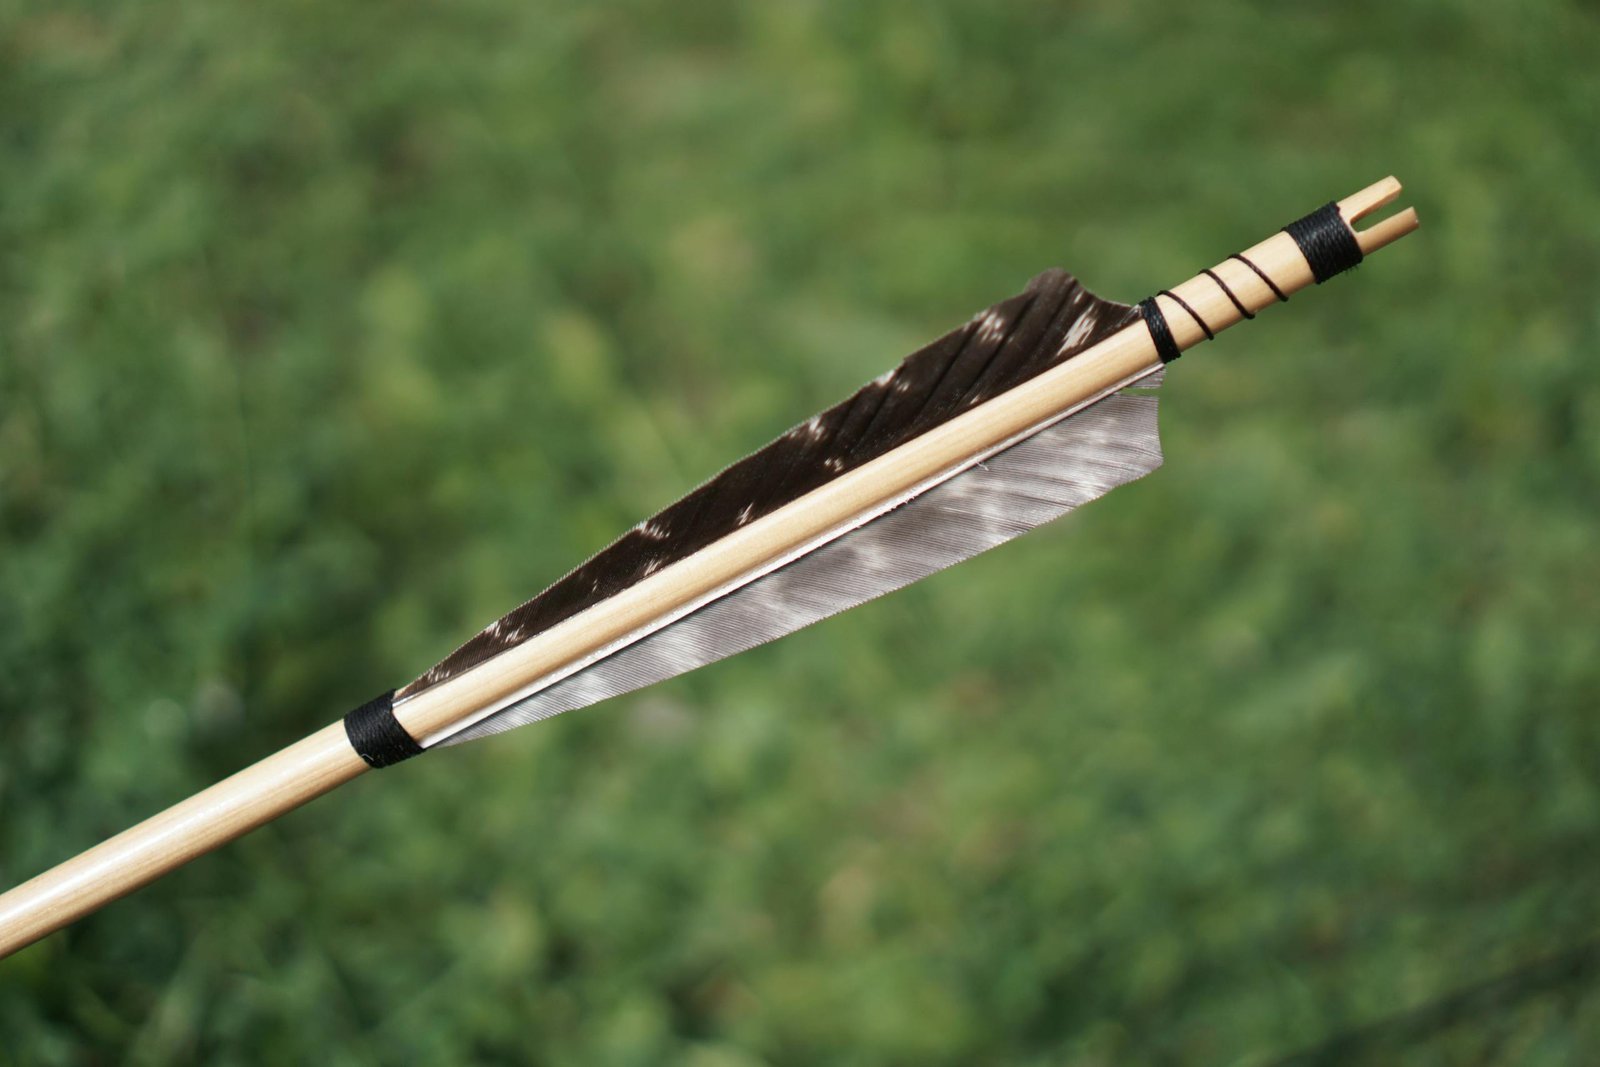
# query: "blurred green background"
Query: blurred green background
{"points": [[328, 333]]}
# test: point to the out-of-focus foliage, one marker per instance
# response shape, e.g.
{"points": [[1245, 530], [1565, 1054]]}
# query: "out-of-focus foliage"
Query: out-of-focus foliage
{"points": [[329, 332]]}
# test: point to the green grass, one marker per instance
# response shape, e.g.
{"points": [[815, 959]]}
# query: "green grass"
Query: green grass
{"points": [[327, 334]]}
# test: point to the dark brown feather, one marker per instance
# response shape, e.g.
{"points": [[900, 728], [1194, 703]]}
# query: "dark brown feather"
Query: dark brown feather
{"points": [[995, 351]]}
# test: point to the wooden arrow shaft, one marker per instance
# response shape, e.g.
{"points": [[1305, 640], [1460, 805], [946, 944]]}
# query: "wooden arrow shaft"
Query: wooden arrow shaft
{"points": [[231, 808], [324, 760]]}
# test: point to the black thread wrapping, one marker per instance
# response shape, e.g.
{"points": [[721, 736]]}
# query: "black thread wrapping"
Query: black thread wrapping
{"points": [[377, 735], [1193, 314], [1246, 312], [1279, 293], [1326, 241], [1160, 333]]}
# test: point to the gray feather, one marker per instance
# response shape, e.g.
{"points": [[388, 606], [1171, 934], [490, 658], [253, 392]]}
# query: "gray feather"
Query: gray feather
{"points": [[1083, 457]]}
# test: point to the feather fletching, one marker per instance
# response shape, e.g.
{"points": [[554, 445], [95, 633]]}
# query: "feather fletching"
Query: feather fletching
{"points": [[1028, 483]]}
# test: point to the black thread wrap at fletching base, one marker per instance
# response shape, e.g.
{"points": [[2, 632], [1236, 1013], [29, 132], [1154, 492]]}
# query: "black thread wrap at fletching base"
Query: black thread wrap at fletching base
{"points": [[1326, 240], [1166, 347], [377, 735]]}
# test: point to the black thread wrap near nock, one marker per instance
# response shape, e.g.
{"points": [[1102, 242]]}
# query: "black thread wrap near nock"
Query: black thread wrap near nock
{"points": [[377, 735], [1326, 241]]}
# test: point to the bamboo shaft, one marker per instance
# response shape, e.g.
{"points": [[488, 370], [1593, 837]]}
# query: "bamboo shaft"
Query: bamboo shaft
{"points": [[324, 760]]}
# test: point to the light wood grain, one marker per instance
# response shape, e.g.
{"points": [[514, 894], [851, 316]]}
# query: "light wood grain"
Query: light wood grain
{"points": [[324, 760]]}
